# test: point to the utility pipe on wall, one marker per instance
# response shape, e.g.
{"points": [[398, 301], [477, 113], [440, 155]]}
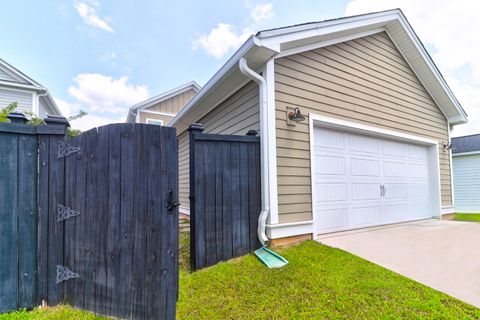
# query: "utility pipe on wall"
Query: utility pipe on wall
{"points": [[262, 84]]}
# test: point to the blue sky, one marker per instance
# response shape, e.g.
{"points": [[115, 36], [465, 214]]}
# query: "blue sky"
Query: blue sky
{"points": [[102, 56]]}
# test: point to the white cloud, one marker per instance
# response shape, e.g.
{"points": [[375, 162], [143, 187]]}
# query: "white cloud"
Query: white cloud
{"points": [[88, 12], [91, 121], [451, 28], [103, 94], [262, 12], [225, 37], [221, 39], [67, 109]]}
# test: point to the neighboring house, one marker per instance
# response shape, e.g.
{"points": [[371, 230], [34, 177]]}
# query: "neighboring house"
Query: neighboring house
{"points": [[29, 94], [163, 107], [373, 149], [466, 173]]}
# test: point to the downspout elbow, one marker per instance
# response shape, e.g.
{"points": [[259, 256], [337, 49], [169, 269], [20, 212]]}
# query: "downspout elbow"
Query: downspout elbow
{"points": [[262, 219]]}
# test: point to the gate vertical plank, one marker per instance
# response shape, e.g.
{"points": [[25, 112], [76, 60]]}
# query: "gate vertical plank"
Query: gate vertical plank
{"points": [[244, 224], [102, 187], [113, 227], [8, 222], [27, 220], [209, 182], [227, 205], [42, 228], [236, 227], [154, 225], [69, 239], [139, 210], [81, 162], [125, 283], [171, 153], [254, 206], [90, 249], [219, 199], [199, 202], [55, 229]]}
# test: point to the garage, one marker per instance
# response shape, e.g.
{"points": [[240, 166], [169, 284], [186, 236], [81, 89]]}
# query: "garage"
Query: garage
{"points": [[363, 178]]}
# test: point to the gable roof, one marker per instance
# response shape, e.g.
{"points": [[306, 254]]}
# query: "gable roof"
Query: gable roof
{"points": [[22, 81], [192, 85], [463, 144], [279, 42]]}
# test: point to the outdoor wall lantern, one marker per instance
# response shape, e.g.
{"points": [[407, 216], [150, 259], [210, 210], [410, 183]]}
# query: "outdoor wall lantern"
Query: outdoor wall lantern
{"points": [[294, 115]]}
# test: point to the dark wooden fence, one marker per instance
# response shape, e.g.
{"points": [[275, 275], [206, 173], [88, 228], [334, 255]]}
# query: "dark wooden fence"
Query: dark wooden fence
{"points": [[106, 236], [225, 196]]}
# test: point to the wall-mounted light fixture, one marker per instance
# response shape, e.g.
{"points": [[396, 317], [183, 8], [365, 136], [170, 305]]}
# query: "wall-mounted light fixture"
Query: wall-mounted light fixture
{"points": [[294, 115]]}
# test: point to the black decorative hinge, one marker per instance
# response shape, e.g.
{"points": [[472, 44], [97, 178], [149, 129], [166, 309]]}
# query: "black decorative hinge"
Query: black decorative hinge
{"points": [[65, 213], [64, 149], [171, 204], [63, 274]]}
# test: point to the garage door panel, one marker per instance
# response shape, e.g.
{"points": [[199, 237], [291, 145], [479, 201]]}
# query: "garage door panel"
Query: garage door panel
{"points": [[330, 165], [418, 190], [417, 152], [394, 169], [365, 191], [394, 149], [417, 170], [396, 212], [333, 218], [366, 215], [327, 192], [396, 191], [365, 167], [364, 144], [419, 210], [329, 139]]}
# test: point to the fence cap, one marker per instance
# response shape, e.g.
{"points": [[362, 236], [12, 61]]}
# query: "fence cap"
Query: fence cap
{"points": [[252, 133], [58, 120], [196, 127], [17, 117]]}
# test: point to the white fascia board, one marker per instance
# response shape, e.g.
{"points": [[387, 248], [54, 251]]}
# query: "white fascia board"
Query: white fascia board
{"points": [[20, 85], [231, 63], [51, 103], [469, 153], [18, 74], [158, 112]]}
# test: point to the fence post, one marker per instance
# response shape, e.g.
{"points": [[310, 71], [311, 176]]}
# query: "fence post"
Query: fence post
{"points": [[17, 117], [194, 128], [50, 194]]}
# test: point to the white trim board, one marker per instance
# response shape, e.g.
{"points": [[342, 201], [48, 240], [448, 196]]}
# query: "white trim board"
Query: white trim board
{"points": [[283, 230], [434, 173], [157, 112], [469, 153], [153, 120]]}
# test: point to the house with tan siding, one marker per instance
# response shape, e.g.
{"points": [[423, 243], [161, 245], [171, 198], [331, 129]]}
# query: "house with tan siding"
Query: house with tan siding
{"points": [[162, 108], [372, 148]]}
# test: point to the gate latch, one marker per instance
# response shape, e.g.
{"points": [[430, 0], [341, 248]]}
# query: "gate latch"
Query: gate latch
{"points": [[65, 213], [171, 204], [63, 274]]}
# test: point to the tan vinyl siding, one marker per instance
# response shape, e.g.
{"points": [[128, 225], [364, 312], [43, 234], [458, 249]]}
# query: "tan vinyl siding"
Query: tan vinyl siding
{"points": [[146, 115], [174, 104], [364, 80], [236, 115]]}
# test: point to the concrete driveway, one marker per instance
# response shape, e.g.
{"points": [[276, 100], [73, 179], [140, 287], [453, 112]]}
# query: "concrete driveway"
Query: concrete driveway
{"points": [[444, 255]]}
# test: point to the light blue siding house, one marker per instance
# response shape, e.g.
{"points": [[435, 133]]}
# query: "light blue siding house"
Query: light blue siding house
{"points": [[466, 173], [31, 96]]}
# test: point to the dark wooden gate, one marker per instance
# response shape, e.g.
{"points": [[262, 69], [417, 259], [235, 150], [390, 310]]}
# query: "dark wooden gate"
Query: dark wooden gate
{"points": [[225, 196], [108, 232]]}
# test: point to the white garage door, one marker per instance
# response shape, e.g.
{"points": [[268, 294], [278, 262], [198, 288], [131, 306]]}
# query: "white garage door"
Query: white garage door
{"points": [[363, 180]]}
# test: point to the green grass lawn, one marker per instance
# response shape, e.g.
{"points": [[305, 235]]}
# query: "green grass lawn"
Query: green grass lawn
{"points": [[474, 217], [319, 283]]}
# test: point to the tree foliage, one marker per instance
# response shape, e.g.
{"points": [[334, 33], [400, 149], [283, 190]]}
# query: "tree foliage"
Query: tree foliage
{"points": [[5, 111]]}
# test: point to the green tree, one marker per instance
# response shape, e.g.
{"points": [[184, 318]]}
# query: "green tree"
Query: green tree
{"points": [[5, 111]]}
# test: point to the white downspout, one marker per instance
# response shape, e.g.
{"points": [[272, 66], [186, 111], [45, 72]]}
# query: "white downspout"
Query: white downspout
{"points": [[262, 84]]}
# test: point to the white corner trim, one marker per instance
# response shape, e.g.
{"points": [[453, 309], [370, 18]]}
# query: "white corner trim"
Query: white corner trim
{"points": [[469, 153], [312, 184], [269, 73], [329, 42], [333, 122], [158, 112], [283, 230], [35, 104], [450, 158]]}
